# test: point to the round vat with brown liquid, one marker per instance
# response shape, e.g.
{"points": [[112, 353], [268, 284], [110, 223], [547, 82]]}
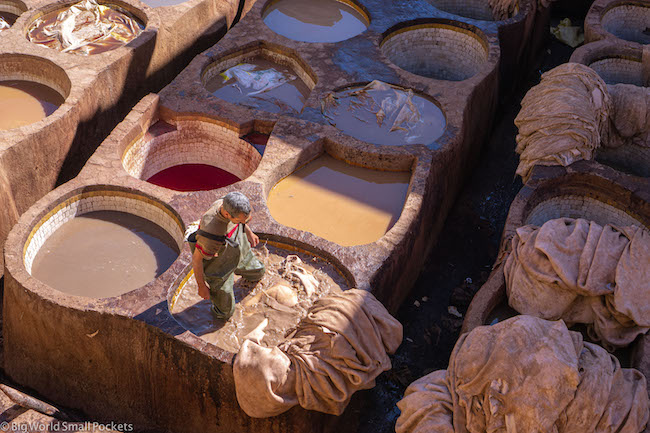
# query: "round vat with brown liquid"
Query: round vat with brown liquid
{"points": [[30, 90], [345, 204], [105, 243], [439, 50], [25, 102], [86, 28], [630, 22], [274, 305], [265, 81], [315, 20], [190, 155], [381, 113]]}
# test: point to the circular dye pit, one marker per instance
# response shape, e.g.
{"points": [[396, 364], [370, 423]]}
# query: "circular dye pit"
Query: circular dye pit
{"points": [[315, 20], [575, 206], [258, 83], [345, 204], [25, 102], [630, 22], [475, 9], [381, 113], [103, 244], [619, 70], [437, 50], [85, 28], [279, 298], [190, 156], [10, 10]]}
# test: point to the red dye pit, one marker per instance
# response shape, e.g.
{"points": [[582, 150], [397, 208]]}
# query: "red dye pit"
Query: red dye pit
{"points": [[193, 177]]}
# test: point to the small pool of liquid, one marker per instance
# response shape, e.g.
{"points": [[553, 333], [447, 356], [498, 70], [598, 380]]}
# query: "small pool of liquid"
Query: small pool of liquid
{"points": [[103, 254], [261, 84], [257, 302], [345, 204], [315, 20], [380, 113], [193, 177], [26, 102]]}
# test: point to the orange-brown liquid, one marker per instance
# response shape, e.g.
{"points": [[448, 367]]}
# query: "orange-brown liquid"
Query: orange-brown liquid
{"points": [[345, 204], [25, 102], [104, 254]]}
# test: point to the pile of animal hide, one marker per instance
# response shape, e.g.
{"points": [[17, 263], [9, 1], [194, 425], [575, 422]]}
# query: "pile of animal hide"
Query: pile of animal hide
{"points": [[85, 28], [526, 375], [581, 272], [338, 348]]}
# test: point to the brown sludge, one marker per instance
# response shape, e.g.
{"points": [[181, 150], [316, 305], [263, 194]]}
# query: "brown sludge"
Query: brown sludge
{"points": [[103, 254], [25, 102], [280, 300], [85, 28], [345, 204]]}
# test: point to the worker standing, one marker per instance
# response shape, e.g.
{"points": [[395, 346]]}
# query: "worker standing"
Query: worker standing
{"points": [[221, 247]]}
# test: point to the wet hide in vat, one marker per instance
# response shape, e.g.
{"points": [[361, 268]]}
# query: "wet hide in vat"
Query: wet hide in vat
{"points": [[581, 272], [563, 119], [340, 347], [85, 28], [630, 117], [526, 375]]}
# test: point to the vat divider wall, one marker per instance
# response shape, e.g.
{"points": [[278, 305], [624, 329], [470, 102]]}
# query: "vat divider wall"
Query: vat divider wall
{"points": [[150, 370]]}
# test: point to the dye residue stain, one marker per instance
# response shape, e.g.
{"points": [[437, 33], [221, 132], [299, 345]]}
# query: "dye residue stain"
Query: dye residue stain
{"points": [[315, 20], [25, 102], [103, 254], [381, 113], [282, 308], [260, 84], [193, 177], [345, 204]]}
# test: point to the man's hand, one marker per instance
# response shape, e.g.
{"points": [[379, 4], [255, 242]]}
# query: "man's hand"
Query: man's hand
{"points": [[204, 291], [253, 239]]}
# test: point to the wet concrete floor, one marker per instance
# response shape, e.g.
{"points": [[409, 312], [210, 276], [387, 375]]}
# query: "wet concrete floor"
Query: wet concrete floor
{"points": [[280, 298]]}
